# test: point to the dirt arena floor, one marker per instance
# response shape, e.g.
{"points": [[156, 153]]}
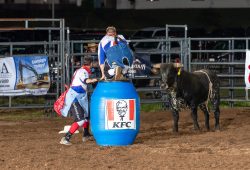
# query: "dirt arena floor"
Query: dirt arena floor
{"points": [[35, 144]]}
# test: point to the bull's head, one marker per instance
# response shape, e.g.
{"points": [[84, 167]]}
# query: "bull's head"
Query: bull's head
{"points": [[169, 73]]}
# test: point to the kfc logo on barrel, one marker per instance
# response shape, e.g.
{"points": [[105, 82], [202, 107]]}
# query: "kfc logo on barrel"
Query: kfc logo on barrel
{"points": [[120, 114]]}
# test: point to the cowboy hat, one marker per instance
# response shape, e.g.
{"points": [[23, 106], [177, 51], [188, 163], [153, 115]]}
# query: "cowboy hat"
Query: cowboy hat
{"points": [[90, 45]]}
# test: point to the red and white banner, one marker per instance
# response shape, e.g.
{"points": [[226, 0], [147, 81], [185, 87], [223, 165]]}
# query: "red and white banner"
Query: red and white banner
{"points": [[120, 114], [247, 69]]}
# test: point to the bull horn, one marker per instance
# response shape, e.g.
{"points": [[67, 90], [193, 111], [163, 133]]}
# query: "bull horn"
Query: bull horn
{"points": [[155, 70], [158, 65], [178, 65]]}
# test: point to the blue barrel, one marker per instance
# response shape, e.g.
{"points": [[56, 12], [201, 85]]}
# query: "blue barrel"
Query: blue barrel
{"points": [[115, 113]]}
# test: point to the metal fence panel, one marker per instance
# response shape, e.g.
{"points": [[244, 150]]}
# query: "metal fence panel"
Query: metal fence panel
{"points": [[53, 49], [225, 56]]}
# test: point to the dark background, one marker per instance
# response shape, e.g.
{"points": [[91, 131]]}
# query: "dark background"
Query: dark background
{"points": [[129, 20]]}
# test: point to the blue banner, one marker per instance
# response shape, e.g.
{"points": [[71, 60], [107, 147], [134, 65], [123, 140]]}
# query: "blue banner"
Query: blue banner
{"points": [[23, 75], [141, 66]]}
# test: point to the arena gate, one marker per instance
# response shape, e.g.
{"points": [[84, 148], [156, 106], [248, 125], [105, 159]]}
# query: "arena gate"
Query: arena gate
{"points": [[52, 51], [226, 56]]}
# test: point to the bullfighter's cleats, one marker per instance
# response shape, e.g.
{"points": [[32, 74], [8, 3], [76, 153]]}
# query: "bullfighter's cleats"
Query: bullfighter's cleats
{"points": [[87, 138], [118, 73], [64, 141]]}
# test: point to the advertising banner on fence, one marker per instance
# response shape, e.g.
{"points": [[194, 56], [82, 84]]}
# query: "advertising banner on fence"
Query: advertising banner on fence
{"points": [[247, 69], [24, 75], [141, 66]]}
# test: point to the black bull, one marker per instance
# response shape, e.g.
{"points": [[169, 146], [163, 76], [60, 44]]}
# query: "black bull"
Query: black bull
{"points": [[194, 89]]}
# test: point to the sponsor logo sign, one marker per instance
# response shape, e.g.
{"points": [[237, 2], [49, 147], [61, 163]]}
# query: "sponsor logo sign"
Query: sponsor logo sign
{"points": [[7, 74], [140, 68], [247, 69], [21, 75], [120, 114]]}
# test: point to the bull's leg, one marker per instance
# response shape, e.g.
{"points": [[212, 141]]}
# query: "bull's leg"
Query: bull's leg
{"points": [[174, 107], [194, 116], [176, 120], [203, 107], [217, 118], [216, 103]]}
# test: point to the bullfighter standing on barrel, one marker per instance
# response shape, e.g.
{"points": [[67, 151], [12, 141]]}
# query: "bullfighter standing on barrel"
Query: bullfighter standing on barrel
{"points": [[76, 101], [115, 57]]}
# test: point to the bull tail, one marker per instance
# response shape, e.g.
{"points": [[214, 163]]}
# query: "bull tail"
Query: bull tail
{"points": [[210, 87]]}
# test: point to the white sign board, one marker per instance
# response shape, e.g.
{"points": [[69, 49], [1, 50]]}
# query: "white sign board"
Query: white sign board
{"points": [[120, 114], [247, 69]]}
